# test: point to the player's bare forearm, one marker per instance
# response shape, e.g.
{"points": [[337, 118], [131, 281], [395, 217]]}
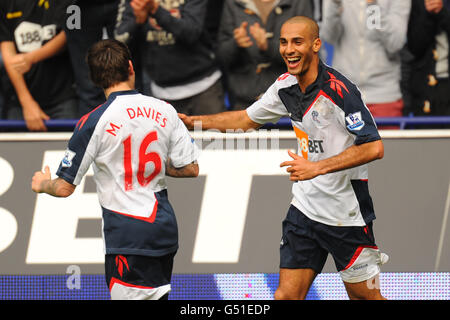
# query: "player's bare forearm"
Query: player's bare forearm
{"points": [[42, 183], [228, 120], [56, 187], [353, 156], [189, 171], [301, 169]]}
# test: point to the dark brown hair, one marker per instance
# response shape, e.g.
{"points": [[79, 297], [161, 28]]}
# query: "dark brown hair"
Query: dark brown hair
{"points": [[108, 62]]}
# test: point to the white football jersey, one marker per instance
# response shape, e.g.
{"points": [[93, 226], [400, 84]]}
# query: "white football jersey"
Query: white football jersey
{"points": [[128, 141], [327, 119]]}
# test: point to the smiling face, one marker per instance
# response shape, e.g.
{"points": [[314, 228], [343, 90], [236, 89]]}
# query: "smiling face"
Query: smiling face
{"points": [[299, 46]]}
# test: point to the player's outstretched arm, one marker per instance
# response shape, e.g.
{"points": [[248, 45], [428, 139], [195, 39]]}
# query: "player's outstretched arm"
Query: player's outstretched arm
{"points": [[228, 120], [189, 171], [356, 155], [43, 183]]}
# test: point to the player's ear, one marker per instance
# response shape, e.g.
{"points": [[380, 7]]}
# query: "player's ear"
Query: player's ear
{"points": [[130, 68], [317, 44]]}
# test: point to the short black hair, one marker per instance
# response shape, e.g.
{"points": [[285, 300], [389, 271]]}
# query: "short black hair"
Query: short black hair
{"points": [[312, 24], [108, 62]]}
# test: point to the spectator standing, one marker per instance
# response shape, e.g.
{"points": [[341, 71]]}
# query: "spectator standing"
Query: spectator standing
{"points": [[428, 41], [133, 34], [179, 57], [33, 49], [97, 19], [368, 36], [213, 16], [248, 45]]}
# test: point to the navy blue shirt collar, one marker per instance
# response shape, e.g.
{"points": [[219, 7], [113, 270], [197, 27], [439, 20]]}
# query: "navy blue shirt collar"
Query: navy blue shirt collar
{"points": [[115, 94]]}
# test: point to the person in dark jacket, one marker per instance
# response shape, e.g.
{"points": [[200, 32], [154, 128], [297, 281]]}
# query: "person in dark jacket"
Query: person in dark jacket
{"points": [[96, 17], [428, 42], [178, 54], [248, 44]]}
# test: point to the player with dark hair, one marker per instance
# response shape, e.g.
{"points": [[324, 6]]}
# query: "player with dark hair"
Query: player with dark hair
{"points": [[331, 210], [108, 63], [132, 141]]}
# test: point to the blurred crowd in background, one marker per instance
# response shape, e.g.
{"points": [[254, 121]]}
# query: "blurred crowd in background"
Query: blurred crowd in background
{"points": [[208, 56]]}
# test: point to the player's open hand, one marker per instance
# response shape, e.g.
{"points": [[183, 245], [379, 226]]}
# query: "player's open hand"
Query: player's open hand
{"points": [[38, 178], [299, 168], [187, 120]]}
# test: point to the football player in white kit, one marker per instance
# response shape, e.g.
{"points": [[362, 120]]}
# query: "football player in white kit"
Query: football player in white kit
{"points": [[331, 211], [132, 142]]}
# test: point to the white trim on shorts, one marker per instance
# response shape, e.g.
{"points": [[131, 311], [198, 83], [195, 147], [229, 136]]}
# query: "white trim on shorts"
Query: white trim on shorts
{"points": [[364, 265], [125, 291]]}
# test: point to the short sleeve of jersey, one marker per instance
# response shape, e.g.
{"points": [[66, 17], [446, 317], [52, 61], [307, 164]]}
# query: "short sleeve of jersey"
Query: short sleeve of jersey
{"points": [[182, 148], [269, 108], [79, 155], [358, 119]]}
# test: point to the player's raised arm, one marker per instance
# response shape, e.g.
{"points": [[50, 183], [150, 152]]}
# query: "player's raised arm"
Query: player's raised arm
{"points": [[228, 120]]}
